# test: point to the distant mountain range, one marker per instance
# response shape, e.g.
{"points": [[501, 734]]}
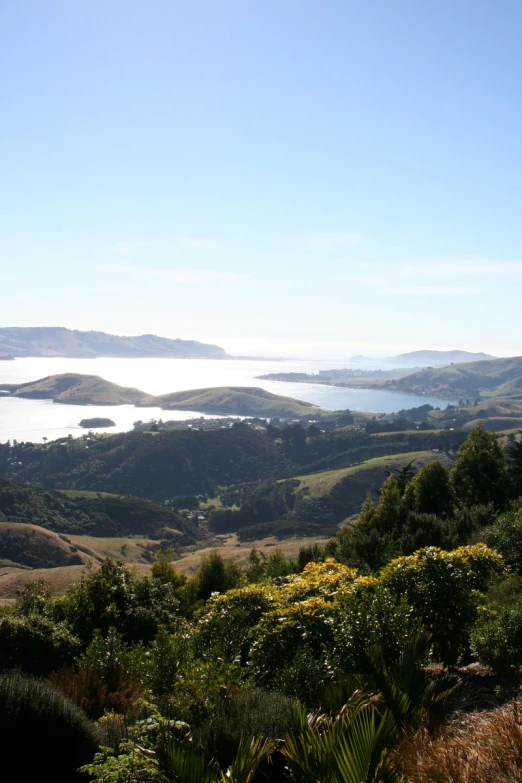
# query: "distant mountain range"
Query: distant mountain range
{"points": [[70, 343], [428, 358]]}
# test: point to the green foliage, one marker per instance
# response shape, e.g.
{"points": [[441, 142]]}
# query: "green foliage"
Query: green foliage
{"points": [[497, 640], [180, 762], [414, 701], [225, 622], [202, 686], [163, 570], [132, 759], [249, 712], [158, 467], [35, 644], [44, 735], [114, 597], [33, 598], [352, 746], [216, 575], [277, 565], [430, 491], [444, 591], [505, 535], [514, 466], [165, 659], [479, 475], [370, 614], [310, 554]]}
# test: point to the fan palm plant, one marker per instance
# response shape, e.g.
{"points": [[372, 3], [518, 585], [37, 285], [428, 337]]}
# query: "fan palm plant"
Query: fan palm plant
{"points": [[408, 694], [353, 746], [180, 762]]}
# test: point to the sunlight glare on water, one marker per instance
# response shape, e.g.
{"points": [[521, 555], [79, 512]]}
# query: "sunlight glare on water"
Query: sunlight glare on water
{"points": [[31, 420]]}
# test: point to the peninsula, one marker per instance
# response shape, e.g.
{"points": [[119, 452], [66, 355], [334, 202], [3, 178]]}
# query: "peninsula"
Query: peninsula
{"points": [[57, 341], [78, 389], [427, 358]]}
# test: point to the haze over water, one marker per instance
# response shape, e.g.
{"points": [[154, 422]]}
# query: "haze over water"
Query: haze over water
{"points": [[31, 420]]}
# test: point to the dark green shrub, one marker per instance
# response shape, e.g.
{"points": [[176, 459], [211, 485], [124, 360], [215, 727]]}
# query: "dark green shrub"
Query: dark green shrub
{"points": [[247, 713], [505, 535], [36, 645], [216, 575], [114, 597], [44, 735], [497, 640]]}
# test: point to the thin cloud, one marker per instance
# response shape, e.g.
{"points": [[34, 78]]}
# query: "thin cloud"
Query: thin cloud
{"points": [[129, 248], [434, 290], [196, 243], [177, 276], [461, 267], [322, 242]]}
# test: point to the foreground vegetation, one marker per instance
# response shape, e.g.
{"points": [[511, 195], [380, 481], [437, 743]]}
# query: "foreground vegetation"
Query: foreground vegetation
{"points": [[356, 661]]}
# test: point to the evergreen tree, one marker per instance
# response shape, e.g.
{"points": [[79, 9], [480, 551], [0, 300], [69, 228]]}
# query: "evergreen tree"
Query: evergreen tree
{"points": [[480, 476]]}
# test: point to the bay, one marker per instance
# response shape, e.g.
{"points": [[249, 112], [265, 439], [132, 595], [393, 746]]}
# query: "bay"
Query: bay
{"points": [[32, 420]]}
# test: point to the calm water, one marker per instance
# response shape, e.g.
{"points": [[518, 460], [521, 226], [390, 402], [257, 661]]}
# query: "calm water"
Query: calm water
{"points": [[31, 420]]}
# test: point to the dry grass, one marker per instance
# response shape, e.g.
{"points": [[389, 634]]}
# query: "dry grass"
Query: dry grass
{"points": [[12, 579], [127, 549], [233, 549], [481, 747], [59, 579]]}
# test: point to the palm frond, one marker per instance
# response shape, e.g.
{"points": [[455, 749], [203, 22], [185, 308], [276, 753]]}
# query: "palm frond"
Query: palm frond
{"points": [[364, 754], [250, 754]]}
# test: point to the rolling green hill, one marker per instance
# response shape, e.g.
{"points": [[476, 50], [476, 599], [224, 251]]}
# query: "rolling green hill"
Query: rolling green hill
{"points": [[492, 378], [237, 400], [77, 389], [93, 514]]}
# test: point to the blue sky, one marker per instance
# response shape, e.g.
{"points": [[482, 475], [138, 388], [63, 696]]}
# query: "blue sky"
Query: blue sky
{"points": [[290, 177]]}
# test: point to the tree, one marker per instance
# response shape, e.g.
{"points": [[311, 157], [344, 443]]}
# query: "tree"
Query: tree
{"points": [[403, 475], [114, 597], [215, 575], [430, 491], [444, 591], [479, 475], [514, 466]]}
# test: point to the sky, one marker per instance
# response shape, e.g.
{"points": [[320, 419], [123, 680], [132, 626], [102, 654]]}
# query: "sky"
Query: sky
{"points": [[287, 177]]}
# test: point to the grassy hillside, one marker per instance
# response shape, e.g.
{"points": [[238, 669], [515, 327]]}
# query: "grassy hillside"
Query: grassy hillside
{"points": [[35, 547], [76, 389], [58, 341], [95, 515], [496, 377], [321, 484], [237, 400], [310, 504], [437, 358]]}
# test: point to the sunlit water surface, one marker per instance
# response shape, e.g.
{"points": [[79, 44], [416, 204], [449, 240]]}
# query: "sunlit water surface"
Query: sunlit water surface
{"points": [[32, 420]]}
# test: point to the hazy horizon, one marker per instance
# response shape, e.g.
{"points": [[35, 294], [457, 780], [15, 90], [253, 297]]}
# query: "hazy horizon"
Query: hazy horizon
{"points": [[314, 350]]}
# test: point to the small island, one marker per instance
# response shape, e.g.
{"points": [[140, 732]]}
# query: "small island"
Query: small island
{"points": [[95, 423]]}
